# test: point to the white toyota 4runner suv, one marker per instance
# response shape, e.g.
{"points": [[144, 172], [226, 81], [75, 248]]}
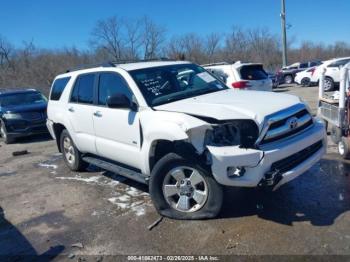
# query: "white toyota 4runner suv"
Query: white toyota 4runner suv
{"points": [[177, 128]]}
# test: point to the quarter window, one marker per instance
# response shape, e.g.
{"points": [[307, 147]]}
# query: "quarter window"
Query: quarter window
{"points": [[111, 84], [58, 87], [83, 91]]}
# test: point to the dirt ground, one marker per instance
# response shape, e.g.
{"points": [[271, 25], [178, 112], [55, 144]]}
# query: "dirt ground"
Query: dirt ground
{"points": [[47, 210]]}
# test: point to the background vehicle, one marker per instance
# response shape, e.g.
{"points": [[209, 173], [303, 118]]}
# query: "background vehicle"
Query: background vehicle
{"points": [[303, 78], [22, 113], [332, 75], [177, 128], [247, 76], [287, 74]]}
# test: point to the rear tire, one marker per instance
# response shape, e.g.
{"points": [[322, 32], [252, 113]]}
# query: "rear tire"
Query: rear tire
{"points": [[71, 155], [3, 132], [344, 148], [182, 188]]}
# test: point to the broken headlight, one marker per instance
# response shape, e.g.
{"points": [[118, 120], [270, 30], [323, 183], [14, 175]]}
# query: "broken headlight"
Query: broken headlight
{"points": [[243, 133]]}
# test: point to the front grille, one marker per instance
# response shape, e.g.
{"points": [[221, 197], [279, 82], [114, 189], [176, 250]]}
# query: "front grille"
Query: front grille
{"points": [[292, 161], [32, 116], [283, 128]]}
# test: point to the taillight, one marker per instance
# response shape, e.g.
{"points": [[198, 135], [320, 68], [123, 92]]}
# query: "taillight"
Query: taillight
{"points": [[241, 84], [312, 71]]}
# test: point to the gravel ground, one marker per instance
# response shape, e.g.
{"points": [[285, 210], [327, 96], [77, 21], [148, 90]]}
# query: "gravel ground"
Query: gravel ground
{"points": [[47, 210]]}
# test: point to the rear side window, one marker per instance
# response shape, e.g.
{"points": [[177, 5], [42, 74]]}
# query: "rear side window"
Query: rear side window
{"points": [[111, 84], [253, 72], [58, 87], [83, 90]]}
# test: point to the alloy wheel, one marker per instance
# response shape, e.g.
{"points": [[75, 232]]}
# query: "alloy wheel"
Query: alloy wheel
{"points": [[185, 189], [69, 151]]}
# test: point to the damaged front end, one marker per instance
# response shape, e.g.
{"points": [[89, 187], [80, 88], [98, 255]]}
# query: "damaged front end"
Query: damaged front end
{"points": [[229, 147]]}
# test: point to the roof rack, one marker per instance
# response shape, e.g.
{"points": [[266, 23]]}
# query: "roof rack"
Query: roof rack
{"points": [[117, 62], [218, 63]]}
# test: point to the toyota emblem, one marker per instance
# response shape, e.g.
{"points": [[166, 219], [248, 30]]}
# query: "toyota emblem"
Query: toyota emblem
{"points": [[292, 123]]}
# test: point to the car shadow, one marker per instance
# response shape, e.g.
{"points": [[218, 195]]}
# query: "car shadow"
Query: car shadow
{"points": [[16, 247], [319, 196]]}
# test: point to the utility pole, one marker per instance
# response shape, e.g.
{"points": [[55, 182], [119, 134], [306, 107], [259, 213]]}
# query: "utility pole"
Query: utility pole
{"points": [[284, 33]]}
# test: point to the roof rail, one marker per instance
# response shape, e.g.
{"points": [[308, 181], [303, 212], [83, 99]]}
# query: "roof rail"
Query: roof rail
{"points": [[218, 63], [81, 67], [116, 62], [127, 61]]}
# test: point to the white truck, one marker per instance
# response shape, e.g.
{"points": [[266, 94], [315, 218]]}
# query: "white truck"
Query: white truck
{"points": [[179, 129]]}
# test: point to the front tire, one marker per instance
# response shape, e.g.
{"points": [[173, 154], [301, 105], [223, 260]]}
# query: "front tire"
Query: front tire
{"points": [[344, 148], [3, 132], [184, 189], [71, 155], [305, 82]]}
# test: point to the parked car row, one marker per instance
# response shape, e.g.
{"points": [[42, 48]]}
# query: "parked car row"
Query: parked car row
{"points": [[309, 73]]}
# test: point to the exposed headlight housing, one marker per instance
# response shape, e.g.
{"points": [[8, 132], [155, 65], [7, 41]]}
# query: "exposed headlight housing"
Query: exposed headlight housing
{"points": [[243, 133]]}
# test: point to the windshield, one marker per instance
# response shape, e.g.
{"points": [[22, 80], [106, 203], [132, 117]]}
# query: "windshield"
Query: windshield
{"points": [[21, 99], [161, 85]]}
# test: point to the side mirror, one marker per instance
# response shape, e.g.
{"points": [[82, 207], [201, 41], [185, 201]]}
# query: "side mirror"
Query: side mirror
{"points": [[120, 101]]}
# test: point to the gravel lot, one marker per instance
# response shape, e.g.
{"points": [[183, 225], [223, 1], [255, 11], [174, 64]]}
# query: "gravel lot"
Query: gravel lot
{"points": [[46, 209]]}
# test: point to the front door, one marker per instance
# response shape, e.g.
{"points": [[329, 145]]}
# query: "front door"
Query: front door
{"points": [[117, 130]]}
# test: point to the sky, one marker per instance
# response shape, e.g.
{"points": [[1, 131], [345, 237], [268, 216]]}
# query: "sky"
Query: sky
{"points": [[63, 23]]}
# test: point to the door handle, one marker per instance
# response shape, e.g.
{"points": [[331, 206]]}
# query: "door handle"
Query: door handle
{"points": [[71, 109], [98, 114]]}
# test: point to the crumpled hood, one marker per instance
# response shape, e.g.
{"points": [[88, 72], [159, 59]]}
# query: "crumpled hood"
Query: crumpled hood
{"points": [[231, 104]]}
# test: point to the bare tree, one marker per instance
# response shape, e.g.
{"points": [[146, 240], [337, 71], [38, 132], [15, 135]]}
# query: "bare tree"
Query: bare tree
{"points": [[108, 34], [153, 37], [211, 45], [133, 37], [5, 52]]}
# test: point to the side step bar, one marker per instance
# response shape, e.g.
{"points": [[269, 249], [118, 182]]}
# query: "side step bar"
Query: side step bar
{"points": [[109, 166]]}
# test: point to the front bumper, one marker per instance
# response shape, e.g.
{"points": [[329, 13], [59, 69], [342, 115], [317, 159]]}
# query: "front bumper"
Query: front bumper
{"points": [[258, 162], [22, 128]]}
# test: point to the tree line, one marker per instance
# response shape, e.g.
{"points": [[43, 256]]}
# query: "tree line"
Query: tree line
{"points": [[116, 38]]}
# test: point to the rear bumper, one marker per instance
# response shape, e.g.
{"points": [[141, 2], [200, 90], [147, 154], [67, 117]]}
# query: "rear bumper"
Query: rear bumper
{"points": [[258, 162]]}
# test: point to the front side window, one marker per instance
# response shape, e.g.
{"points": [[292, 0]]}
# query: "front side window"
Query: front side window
{"points": [[165, 84], [83, 90], [111, 84]]}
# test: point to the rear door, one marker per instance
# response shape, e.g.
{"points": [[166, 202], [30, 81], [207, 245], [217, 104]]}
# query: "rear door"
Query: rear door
{"points": [[256, 76], [80, 112]]}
